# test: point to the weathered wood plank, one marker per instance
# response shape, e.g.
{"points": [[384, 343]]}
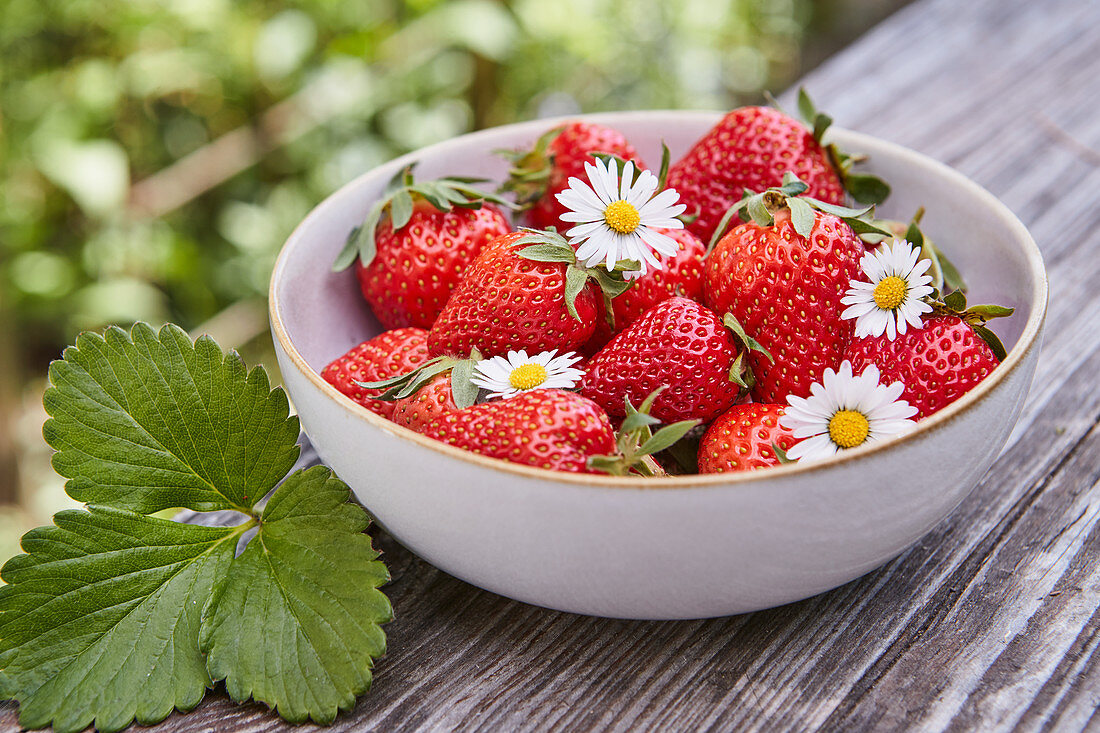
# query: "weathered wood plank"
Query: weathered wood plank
{"points": [[990, 622]]}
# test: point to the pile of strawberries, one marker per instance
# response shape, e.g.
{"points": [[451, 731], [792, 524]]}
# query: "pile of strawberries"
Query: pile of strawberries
{"points": [[728, 313]]}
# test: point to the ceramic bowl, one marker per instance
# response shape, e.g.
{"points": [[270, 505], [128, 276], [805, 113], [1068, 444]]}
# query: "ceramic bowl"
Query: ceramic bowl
{"points": [[684, 547]]}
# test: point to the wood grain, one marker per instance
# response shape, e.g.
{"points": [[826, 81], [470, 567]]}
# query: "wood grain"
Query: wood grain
{"points": [[990, 622]]}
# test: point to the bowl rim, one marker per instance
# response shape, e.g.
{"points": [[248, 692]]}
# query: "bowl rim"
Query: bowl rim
{"points": [[936, 421]]}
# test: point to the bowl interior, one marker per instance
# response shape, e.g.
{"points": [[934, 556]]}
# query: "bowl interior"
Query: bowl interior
{"points": [[324, 314]]}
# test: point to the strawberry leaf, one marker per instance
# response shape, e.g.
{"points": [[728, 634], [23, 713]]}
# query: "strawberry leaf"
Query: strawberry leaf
{"points": [[297, 623], [806, 107], [404, 385], [843, 212], [866, 189], [548, 253], [990, 311], [757, 209], [99, 621], [747, 342], [992, 341], [401, 209], [724, 223], [530, 171], [666, 436], [955, 300], [952, 279], [575, 280], [666, 158], [147, 421], [802, 216], [740, 374], [463, 391]]}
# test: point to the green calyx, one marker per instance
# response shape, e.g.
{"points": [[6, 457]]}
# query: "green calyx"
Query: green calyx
{"points": [[740, 372], [397, 202], [762, 207], [463, 391], [549, 246], [637, 442], [529, 174], [863, 187], [975, 316]]}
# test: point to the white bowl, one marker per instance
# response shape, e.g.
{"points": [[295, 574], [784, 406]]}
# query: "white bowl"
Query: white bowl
{"points": [[685, 547]]}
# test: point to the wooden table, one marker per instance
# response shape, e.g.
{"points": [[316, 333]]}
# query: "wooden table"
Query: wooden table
{"points": [[991, 621]]}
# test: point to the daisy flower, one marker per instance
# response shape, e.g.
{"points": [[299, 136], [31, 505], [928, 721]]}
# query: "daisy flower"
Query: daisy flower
{"points": [[891, 301], [617, 216], [507, 377], [844, 411]]}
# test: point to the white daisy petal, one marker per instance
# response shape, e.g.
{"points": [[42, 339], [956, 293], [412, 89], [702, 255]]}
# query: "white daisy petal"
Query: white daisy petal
{"points": [[888, 428], [644, 189], [812, 449], [597, 180], [856, 310], [663, 243], [585, 231], [625, 187], [664, 200], [580, 198], [543, 358]]}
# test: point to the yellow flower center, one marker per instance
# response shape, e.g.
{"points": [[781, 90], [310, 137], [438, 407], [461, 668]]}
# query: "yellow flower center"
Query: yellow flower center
{"points": [[849, 428], [890, 292], [622, 217], [527, 376]]}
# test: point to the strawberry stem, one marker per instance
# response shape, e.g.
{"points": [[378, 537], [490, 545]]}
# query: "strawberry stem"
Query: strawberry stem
{"points": [[637, 442]]}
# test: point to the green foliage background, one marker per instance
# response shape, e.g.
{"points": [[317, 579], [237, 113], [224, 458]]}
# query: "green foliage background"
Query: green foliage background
{"points": [[154, 154]]}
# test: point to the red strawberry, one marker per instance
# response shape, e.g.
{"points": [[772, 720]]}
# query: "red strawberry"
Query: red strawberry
{"points": [[429, 403], [753, 147], [514, 296], [548, 428], [538, 174], [415, 244], [938, 363], [386, 355], [742, 439], [784, 287], [682, 276], [678, 344]]}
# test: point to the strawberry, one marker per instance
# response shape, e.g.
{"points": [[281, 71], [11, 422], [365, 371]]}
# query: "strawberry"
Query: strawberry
{"points": [[547, 428], [939, 362], [680, 345], [782, 276], [415, 244], [537, 175], [752, 148], [526, 290], [429, 403], [386, 355], [682, 275], [744, 438]]}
